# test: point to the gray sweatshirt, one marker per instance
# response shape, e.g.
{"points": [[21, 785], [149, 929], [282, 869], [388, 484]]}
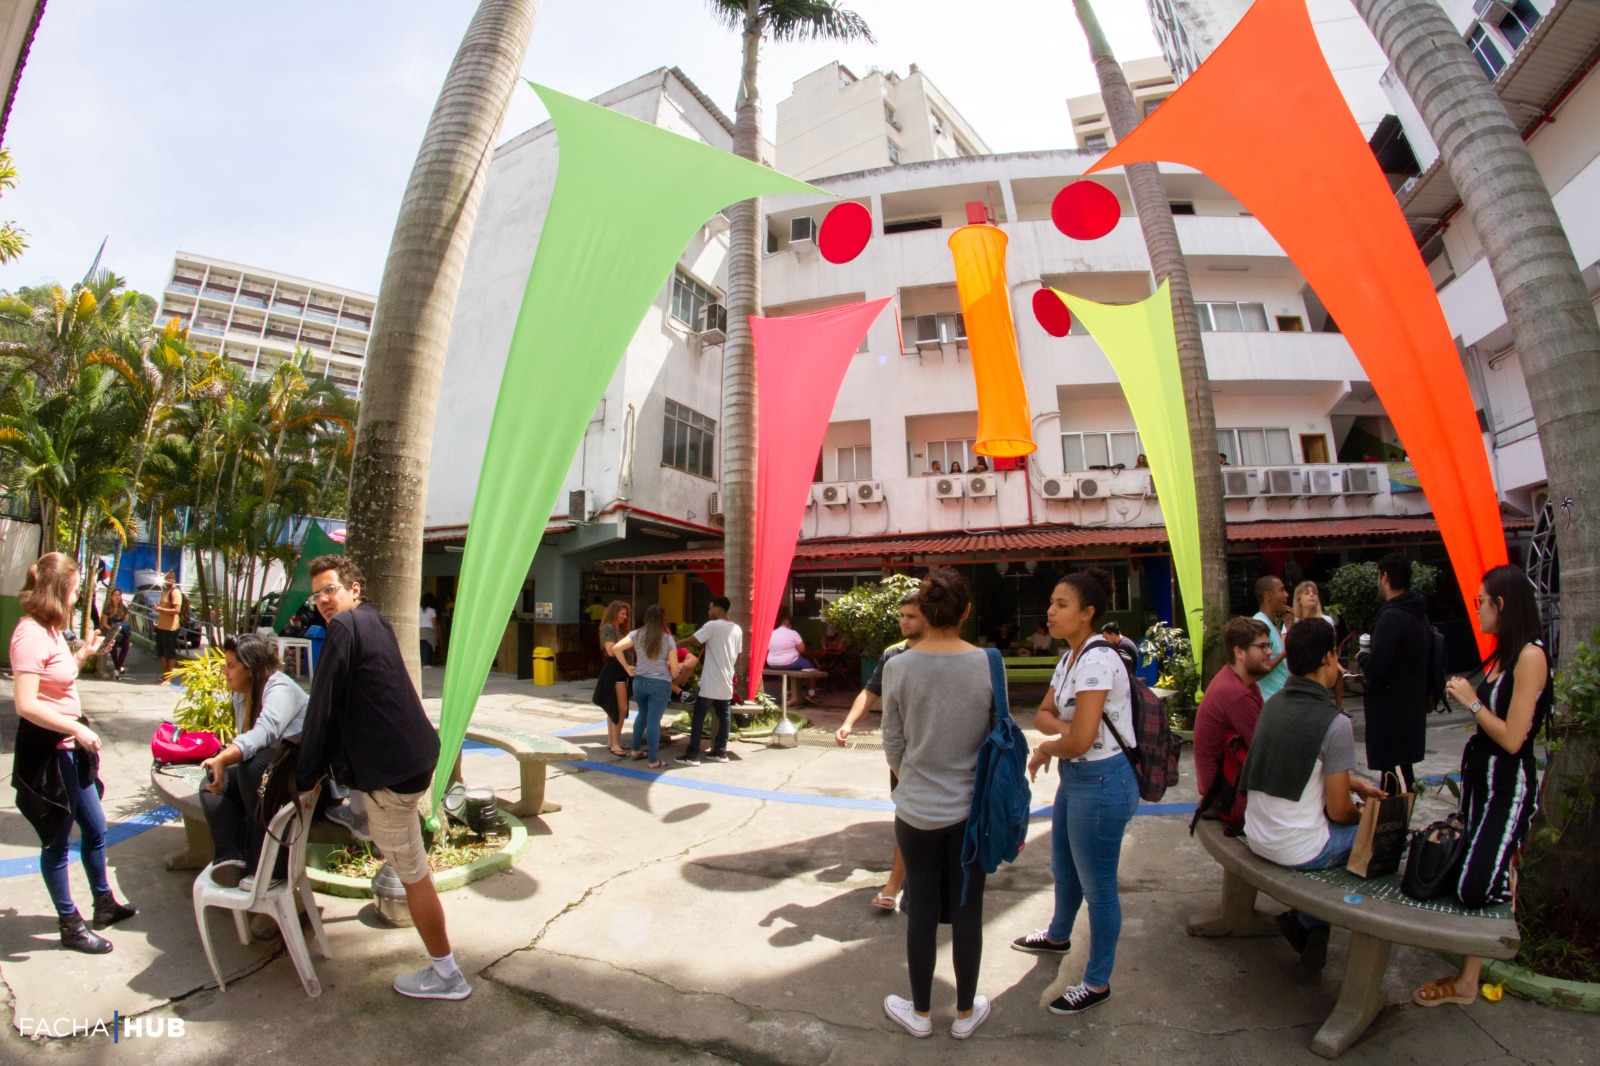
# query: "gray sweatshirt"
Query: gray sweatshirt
{"points": [[283, 714], [936, 712]]}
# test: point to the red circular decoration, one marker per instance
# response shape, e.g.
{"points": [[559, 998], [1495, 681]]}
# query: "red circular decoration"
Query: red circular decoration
{"points": [[1051, 312], [1085, 211], [844, 232]]}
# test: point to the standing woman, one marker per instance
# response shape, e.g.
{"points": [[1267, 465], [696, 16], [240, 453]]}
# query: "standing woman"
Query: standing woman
{"points": [[267, 708], [1088, 705], [936, 710], [1499, 773], [118, 628], [428, 628], [56, 768], [653, 675], [1307, 603], [611, 691]]}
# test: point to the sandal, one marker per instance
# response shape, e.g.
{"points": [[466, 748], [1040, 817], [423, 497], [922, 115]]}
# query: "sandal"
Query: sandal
{"points": [[621, 753], [662, 765], [886, 902], [1437, 993], [639, 755]]}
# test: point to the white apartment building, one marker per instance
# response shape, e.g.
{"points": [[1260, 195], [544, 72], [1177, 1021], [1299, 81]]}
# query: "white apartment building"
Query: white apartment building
{"points": [[833, 122], [1151, 81], [257, 317], [1316, 475]]}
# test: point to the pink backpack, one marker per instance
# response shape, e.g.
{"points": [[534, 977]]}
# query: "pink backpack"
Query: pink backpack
{"points": [[169, 744]]}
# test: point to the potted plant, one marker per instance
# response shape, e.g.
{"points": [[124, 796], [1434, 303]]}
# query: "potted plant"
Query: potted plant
{"points": [[868, 617], [1173, 653], [206, 704]]}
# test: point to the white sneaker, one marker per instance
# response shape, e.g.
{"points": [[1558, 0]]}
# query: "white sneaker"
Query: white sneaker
{"points": [[963, 1027], [901, 1010], [427, 984]]}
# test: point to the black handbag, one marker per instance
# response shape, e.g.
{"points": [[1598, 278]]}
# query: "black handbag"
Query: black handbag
{"points": [[1433, 861], [277, 788]]}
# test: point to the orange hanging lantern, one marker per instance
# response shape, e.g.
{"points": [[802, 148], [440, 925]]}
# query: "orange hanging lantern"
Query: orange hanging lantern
{"points": [[1005, 425]]}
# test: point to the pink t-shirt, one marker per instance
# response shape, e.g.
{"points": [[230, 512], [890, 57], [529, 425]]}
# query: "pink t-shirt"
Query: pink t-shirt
{"points": [[783, 647], [37, 650]]}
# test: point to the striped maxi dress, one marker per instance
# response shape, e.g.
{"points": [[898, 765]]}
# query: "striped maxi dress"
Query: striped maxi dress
{"points": [[1499, 793]]}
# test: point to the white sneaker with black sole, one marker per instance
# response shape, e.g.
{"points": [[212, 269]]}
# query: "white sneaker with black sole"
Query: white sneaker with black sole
{"points": [[904, 1011], [427, 984]]}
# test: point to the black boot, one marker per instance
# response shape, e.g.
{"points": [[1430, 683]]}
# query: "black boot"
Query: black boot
{"points": [[107, 911], [77, 936]]}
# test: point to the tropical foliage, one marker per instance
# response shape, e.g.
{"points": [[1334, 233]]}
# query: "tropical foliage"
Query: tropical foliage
{"points": [[119, 428], [868, 616], [207, 705], [1353, 592]]}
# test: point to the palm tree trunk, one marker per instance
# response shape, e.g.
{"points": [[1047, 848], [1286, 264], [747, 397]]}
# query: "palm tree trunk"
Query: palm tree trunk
{"points": [[738, 353], [1557, 339], [1166, 261], [421, 280]]}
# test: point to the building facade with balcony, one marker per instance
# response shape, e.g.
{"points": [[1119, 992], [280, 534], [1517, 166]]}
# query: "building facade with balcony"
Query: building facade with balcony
{"points": [[257, 318], [1151, 82]]}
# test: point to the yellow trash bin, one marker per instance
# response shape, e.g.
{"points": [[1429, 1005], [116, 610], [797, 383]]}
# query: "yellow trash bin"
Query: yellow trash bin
{"points": [[544, 666]]}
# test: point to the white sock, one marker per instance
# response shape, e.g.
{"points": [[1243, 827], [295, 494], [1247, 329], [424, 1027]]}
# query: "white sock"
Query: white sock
{"points": [[446, 966]]}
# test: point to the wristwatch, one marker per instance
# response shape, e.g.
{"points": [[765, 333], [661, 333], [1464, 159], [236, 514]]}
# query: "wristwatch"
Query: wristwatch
{"points": [[1477, 705]]}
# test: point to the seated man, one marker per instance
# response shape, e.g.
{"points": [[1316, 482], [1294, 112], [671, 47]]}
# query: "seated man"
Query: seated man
{"points": [[1126, 647], [1302, 811], [1232, 702]]}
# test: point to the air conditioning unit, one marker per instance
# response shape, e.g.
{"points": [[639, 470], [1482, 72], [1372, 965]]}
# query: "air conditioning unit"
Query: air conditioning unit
{"points": [[1094, 486], [955, 328], [1057, 488], [947, 488], [980, 485], [1240, 483], [869, 492], [803, 234], [714, 324], [1364, 480], [1324, 481], [1134, 483], [837, 495], [927, 333], [578, 505], [1283, 481], [714, 505], [1491, 11]]}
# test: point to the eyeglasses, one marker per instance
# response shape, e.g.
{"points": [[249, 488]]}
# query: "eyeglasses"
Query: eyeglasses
{"points": [[1264, 646], [326, 591]]}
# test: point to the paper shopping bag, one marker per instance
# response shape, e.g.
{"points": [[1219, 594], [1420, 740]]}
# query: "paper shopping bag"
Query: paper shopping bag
{"points": [[1382, 835]]}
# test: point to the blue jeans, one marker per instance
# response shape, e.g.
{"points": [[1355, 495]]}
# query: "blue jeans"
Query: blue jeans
{"points": [[724, 709], [1094, 803], [1336, 852], [85, 806], [652, 694]]}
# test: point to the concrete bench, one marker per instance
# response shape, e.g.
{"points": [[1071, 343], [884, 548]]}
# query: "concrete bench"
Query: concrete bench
{"points": [[534, 753], [783, 675], [1375, 925], [178, 785]]}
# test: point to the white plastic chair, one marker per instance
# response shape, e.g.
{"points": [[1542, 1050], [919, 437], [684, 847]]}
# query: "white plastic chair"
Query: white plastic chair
{"points": [[274, 898]]}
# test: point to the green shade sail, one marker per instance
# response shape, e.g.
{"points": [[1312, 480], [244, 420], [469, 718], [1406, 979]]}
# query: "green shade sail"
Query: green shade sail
{"points": [[317, 543], [1142, 344], [628, 198]]}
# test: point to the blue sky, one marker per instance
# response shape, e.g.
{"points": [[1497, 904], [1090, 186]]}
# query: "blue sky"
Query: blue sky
{"points": [[281, 134]]}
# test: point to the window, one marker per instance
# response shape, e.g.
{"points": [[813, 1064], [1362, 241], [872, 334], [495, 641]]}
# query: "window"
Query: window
{"points": [[688, 441], [1231, 317], [945, 452], [1095, 142], [1256, 447], [1181, 207], [689, 298], [1516, 26], [894, 152], [1086, 451], [810, 592], [932, 329], [1484, 50], [1291, 324], [938, 124], [1120, 598], [854, 464], [909, 225], [1437, 257], [1151, 105]]}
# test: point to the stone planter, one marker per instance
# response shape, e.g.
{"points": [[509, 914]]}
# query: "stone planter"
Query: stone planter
{"points": [[332, 884]]}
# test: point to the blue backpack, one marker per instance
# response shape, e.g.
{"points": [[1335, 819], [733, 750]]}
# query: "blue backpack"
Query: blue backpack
{"points": [[997, 824]]}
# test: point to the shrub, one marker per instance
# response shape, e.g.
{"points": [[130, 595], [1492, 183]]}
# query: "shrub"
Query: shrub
{"points": [[868, 616], [1173, 653], [1353, 592], [206, 704]]}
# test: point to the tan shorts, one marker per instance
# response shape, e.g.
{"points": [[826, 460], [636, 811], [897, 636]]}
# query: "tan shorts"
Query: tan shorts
{"points": [[392, 819]]}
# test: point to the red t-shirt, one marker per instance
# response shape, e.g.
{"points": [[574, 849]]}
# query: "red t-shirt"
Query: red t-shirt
{"points": [[1229, 706], [45, 652]]}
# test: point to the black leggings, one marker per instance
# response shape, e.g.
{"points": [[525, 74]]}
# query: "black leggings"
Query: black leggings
{"points": [[933, 887]]}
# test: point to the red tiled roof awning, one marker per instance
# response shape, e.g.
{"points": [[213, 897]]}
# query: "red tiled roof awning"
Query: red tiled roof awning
{"points": [[828, 554]]}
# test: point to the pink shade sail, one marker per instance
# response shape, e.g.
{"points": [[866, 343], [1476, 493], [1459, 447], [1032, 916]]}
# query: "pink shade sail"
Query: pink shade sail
{"points": [[801, 361]]}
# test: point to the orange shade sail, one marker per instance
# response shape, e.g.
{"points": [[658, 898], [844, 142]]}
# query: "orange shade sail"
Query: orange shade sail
{"points": [[1005, 425], [1264, 117]]}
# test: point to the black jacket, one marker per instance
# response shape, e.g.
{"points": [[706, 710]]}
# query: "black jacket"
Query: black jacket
{"points": [[1396, 673], [365, 721], [41, 791]]}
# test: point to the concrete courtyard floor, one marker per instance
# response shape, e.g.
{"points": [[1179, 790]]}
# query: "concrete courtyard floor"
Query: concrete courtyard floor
{"points": [[656, 922]]}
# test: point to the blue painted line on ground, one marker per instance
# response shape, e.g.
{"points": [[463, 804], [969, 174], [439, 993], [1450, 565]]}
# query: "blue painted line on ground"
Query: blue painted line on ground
{"points": [[115, 834]]}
